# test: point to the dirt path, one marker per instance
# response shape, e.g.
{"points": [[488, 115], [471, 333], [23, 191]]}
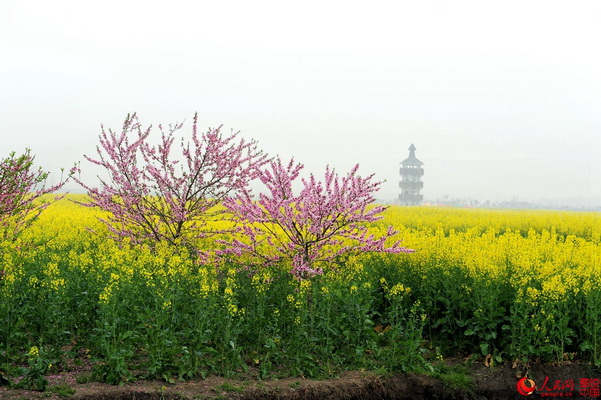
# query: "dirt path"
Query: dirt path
{"points": [[486, 383]]}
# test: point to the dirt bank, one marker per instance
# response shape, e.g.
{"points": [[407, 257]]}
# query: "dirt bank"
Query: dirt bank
{"points": [[483, 383]]}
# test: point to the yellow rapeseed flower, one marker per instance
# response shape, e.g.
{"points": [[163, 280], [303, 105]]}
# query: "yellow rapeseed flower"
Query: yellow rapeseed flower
{"points": [[34, 351]]}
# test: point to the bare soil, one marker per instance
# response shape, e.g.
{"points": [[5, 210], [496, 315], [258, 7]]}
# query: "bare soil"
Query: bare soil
{"points": [[490, 383]]}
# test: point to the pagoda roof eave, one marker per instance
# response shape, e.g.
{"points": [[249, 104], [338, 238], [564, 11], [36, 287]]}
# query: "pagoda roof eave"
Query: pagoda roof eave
{"points": [[412, 161]]}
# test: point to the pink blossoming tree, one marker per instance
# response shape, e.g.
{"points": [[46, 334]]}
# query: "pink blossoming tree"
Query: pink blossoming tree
{"points": [[21, 187], [154, 194], [324, 221]]}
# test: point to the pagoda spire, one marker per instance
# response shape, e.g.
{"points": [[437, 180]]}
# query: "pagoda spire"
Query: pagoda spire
{"points": [[411, 183]]}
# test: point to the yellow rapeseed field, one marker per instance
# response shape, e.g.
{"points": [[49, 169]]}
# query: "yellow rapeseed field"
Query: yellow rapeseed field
{"points": [[505, 283]]}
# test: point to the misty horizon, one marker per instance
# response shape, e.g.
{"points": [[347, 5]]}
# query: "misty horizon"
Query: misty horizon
{"points": [[500, 100]]}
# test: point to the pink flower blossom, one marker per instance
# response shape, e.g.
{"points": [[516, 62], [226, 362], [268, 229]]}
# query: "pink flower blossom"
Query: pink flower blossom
{"points": [[312, 228], [153, 194], [21, 186]]}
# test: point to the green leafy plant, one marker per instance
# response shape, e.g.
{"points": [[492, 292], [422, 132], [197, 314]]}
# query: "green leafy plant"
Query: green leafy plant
{"points": [[34, 377]]}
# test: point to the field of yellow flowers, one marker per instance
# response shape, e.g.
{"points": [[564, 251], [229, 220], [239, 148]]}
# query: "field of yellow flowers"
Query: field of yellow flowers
{"points": [[486, 283]]}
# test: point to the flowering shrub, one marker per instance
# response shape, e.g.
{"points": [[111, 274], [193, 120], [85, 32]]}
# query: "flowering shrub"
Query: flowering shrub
{"points": [[21, 186], [152, 195], [324, 221]]}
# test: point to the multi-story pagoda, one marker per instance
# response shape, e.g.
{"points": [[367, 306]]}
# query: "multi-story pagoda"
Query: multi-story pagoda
{"points": [[411, 180]]}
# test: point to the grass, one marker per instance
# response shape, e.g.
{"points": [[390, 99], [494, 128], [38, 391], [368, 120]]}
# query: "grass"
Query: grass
{"points": [[61, 390], [456, 377], [295, 385]]}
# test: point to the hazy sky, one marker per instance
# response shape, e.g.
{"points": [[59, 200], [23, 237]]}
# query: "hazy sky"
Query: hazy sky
{"points": [[501, 98]]}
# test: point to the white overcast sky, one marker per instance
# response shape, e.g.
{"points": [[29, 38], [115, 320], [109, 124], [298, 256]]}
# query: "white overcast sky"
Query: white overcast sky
{"points": [[501, 98]]}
